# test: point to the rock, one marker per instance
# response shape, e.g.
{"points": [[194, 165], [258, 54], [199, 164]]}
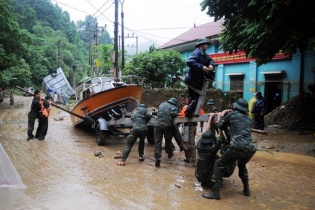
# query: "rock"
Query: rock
{"points": [[97, 153]]}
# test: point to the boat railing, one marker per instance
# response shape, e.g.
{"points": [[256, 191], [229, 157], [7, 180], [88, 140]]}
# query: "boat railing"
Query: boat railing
{"points": [[130, 79]]}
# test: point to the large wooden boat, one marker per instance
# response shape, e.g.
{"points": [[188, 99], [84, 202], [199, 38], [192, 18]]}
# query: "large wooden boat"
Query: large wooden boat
{"points": [[102, 101]]}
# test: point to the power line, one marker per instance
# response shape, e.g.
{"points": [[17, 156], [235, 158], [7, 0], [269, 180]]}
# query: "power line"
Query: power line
{"points": [[156, 14], [174, 28], [92, 15], [70, 7]]}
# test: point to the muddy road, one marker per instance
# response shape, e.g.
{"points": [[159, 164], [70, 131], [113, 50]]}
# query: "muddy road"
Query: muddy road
{"points": [[62, 172]]}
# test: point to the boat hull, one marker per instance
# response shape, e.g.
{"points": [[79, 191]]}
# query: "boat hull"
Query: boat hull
{"points": [[105, 103]]}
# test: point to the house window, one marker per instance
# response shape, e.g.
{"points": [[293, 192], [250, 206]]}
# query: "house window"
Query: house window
{"points": [[237, 83]]}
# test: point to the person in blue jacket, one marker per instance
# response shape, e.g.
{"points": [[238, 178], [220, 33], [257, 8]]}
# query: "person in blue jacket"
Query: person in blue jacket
{"points": [[259, 111], [200, 66]]}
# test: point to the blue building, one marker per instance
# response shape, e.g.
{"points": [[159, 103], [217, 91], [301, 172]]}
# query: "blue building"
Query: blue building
{"points": [[237, 73]]}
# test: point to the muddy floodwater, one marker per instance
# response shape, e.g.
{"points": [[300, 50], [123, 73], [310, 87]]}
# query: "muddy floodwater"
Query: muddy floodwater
{"points": [[62, 172]]}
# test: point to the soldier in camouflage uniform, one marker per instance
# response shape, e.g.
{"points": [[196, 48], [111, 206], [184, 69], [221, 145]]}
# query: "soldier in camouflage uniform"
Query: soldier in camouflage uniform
{"points": [[213, 108], [164, 126], [207, 148], [139, 130], [241, 148]]}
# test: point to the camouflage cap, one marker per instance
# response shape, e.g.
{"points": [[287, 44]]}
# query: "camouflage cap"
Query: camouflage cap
{"points": [[202, 41], [173, 101], [241, 105], [211, 102], [207, 137]]}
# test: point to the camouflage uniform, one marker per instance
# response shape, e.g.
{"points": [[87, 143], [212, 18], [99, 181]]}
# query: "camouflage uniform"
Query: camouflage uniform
{"points": [[178, 137], [241, 148], [139, 130], [164, 126], [207, 148], [32, 115]]}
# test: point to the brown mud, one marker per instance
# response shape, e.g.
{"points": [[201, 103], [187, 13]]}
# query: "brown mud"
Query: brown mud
{"points": [[62, 172]]}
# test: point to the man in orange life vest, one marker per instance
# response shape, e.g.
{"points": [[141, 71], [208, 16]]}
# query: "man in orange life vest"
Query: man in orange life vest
{"points": [[43, 118]]}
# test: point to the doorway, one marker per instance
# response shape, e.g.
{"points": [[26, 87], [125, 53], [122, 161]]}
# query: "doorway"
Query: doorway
{"points": [[273, 91]]}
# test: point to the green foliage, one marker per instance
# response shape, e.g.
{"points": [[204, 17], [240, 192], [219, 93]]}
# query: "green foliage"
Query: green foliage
{"points": [[17, 75], [23, 22], [105, 51], [263, 27], [157, 68], [13, 40]]}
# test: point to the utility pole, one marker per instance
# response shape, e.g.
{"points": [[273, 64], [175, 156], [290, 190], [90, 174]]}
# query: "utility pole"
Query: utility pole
{"points": [[122, 37], [94, 30], [134, 37], [58, 56], [73, 76], [116, 39]]}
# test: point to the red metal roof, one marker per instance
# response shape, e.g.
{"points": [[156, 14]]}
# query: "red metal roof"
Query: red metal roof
{"points": [[205, 30]]}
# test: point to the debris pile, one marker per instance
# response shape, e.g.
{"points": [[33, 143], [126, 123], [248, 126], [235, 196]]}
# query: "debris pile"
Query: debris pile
{"points": [[296, 114]]}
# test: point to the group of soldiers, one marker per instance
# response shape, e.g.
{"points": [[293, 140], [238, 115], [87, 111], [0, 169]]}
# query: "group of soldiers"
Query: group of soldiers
{"points": [[228, 131]]}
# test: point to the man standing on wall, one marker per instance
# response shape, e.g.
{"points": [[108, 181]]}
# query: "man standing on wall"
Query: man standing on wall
{"points": [[200, 65]]}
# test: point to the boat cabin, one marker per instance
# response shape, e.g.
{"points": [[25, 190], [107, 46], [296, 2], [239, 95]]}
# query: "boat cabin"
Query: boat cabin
{"points": [[95, 85]]}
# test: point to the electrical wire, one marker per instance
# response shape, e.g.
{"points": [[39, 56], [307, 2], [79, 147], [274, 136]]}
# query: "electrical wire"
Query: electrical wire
{"points": [[70, 7], [92, 15]]}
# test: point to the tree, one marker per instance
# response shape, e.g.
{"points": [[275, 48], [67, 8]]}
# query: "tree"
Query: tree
{"points": [[157, 68], [105, 57], [13, 39], [263, 27], [17, 75]]}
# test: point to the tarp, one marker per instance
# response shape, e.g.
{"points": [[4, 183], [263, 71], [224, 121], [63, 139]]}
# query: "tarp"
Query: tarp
{"points": [[57, 81], [9, 177]]}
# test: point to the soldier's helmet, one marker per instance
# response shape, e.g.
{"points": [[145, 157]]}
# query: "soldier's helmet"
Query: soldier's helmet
{"points": [[207, 137], [241, 105], [172, 101], [142, 106], [211, 102], [202, 41]]}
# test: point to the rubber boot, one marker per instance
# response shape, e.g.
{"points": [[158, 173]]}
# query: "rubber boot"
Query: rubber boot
{"points": [[246, 190], [157, 163], [215, 194], [191, 108]]}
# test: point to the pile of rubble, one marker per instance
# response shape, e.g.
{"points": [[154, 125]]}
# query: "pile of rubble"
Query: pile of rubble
{"points": [[296, 114]]}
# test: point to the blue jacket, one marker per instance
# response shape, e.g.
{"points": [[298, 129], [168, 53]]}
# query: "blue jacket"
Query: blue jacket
{"points": [[195, 62], [259, 106]]}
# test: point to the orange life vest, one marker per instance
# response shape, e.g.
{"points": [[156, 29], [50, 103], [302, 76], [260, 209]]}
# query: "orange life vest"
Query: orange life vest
{"points": [[43, 110], [182, 113]]}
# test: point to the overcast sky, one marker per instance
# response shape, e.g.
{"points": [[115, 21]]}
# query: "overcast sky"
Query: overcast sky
{"points": [[153, 21]]}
